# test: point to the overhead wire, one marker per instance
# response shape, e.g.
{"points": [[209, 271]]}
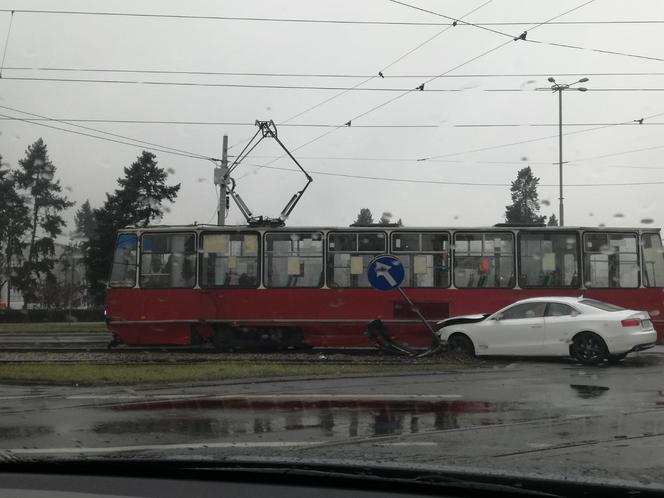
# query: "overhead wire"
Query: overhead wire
{"points": [[4, 50], [454, 183], [133, 143], [324, 21], [221, 123], [378, 73], [420, 87], [323, 75], [308, 87], [531, 140]]}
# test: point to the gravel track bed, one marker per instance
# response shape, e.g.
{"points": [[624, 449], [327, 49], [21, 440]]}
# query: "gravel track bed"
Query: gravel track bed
{"points": [[147, 357]]}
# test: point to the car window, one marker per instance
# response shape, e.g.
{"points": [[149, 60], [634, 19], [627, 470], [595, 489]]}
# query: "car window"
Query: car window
{"points": [[601, 305], [525, 310], [559, 309]]}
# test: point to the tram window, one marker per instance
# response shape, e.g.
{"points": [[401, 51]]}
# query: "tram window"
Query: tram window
{"points": [[229, 259], [549, 260], [123, 272], [484, 260], [293, 259], [349, 254], [653, 260], [168, 260], [425, 257], [610, 260]]}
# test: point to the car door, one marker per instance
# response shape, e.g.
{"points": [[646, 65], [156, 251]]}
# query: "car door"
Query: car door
{"points": [[517, 330], [560, 324]]}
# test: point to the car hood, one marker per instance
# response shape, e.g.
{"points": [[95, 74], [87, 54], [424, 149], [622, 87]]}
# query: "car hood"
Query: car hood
{"points": [[463, 319]]}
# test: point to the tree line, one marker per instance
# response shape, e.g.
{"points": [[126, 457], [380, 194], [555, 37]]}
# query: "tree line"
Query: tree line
{"points": [[32, 204]]}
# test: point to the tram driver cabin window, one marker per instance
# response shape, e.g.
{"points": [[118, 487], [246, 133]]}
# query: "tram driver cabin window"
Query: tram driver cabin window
{"points": [[349, 255], [549, 260], [483, 260], [168, 260], [123, 272], [294, 259], [229, 259]]}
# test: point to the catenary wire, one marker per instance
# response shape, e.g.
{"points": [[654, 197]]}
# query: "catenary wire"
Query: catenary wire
{"points": [[380, 72], [150, 144], [4, 50], [324, 75], [486, 52], [75, 132], [531, 140], [459, 183], [327, 21]]}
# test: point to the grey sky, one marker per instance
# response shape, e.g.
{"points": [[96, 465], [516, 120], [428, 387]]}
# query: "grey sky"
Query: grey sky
{"points": [[90, 167]]}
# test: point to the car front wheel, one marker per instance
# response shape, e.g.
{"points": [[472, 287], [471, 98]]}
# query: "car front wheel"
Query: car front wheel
{"points": [[460, 344], [589, 348]]}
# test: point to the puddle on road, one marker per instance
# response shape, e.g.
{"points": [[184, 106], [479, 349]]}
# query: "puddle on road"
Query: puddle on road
{"points": [[589, 392], [320, 417]]}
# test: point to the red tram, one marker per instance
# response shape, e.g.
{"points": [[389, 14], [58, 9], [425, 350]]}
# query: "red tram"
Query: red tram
{"points": [[243, 286]]}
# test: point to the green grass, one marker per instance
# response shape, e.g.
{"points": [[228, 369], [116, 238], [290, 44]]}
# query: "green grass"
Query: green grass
{"points": [[95, 374], [54, 327]]}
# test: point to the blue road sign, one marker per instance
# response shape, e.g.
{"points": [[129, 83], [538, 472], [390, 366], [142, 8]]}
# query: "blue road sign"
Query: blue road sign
{"points": [[385, 273]]}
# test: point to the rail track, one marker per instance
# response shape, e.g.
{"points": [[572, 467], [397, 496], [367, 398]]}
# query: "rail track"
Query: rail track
{"points": [[92, 347]]}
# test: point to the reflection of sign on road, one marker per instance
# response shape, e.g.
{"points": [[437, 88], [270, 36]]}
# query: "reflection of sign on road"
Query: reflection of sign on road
{"points": [[385, 273]]}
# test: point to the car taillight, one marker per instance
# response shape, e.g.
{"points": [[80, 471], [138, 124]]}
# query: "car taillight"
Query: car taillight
{"points": [[631, 322]]}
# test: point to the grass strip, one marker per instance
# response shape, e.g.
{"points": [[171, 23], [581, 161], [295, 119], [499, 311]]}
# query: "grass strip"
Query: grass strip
{"points": [[95, 374], [53, 327]]}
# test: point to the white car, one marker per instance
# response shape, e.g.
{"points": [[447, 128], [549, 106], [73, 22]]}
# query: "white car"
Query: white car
{"points": [[588, 330]]}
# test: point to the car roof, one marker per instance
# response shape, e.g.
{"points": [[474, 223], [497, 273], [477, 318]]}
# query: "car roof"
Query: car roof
{"points": [[546, 299]]}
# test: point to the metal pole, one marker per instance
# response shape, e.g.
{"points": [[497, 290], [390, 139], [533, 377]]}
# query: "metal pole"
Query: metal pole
{"points": [[221, 212], [561, 212]]}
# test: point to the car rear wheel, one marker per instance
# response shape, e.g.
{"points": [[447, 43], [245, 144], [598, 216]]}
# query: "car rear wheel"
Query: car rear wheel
{"points": [[460, 344], [589, 348]]}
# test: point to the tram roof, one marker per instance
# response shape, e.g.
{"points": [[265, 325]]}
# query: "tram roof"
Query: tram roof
{"points": [[389, 228]]}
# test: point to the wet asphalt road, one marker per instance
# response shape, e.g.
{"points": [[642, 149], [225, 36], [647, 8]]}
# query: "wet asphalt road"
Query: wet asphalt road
{"points": [[531, 416]]}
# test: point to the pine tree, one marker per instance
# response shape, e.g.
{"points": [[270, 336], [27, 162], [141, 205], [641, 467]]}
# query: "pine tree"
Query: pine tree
{"points": [[525, 203], [85, 221], [137, 201], [14, 223], [364, 218], [553, 221], [36, 176]]}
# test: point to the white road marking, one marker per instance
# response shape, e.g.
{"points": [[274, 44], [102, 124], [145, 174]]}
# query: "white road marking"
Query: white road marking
{"points": [[198, 446], [414, 443], [147, 447], [264, 396]]}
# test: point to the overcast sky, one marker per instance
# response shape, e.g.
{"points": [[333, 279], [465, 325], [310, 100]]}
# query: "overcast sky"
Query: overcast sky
{"points": [[477, 93]]}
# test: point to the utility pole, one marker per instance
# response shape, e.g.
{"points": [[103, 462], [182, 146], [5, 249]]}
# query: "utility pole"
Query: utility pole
{"points": [[560, 88], [220, 178]]}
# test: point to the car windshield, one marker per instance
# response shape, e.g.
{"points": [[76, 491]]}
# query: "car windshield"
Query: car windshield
{"points": [[260, 231], [601, 305]]}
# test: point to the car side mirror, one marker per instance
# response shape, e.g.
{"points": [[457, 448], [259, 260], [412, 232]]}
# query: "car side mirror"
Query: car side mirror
{"points": [[498, 317], [574, 313]]}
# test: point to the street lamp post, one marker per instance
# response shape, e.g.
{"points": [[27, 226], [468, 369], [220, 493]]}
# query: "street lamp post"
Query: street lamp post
{"points": [[560, 87]]}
